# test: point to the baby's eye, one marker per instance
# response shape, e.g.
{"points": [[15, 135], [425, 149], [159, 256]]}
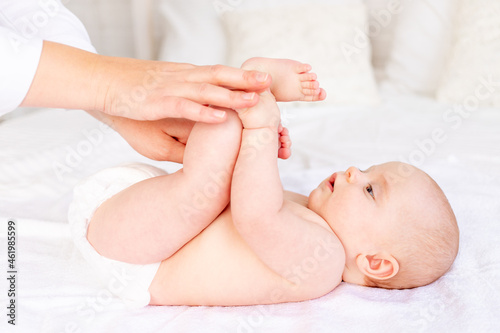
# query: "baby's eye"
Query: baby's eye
{"points": [[369, 189]]}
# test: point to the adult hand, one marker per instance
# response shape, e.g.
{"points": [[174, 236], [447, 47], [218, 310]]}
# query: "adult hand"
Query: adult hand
{"points": [[160, 140], [139, 89], [150, 90]]}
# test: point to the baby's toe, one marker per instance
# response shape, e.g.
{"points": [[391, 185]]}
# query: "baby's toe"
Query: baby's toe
{"points": [[322, 94], [310, 85], [308, 77], [318, 95], [311, 92], [303, 68]]}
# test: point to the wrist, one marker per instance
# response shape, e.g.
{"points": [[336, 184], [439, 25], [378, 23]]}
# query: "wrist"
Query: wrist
{"points": [[103, 79]]}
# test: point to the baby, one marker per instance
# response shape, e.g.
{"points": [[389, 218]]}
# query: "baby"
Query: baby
{"points": [[221, 231]]}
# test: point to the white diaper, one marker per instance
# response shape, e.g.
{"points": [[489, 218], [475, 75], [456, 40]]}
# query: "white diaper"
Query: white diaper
{"points": [[130, 282]]}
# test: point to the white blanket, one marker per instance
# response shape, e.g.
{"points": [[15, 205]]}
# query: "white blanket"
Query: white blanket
{"points": [[44, 154]]}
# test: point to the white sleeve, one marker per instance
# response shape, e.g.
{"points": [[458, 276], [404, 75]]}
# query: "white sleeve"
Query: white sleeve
{"points": [[24, 24], [18, 63]]}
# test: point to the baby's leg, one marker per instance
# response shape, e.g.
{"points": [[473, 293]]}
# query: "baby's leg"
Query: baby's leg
{"points": [[291, 80], [151, 220]]}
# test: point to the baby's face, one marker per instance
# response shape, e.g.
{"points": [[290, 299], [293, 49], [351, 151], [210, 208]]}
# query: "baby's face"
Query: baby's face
{"points": [[361, 206]]}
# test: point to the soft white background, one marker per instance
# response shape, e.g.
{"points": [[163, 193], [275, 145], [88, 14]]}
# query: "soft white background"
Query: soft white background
{"points": [[59, 293]]}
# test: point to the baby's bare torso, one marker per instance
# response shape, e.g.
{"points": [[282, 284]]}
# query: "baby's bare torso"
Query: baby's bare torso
{"points": [[217, 267]]}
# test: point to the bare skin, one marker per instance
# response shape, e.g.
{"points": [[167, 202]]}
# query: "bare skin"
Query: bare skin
{"points": [[138, 98], [210, 252], [139, 89]]}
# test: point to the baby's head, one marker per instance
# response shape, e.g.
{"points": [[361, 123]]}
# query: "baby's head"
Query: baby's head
{"points": [[395, 223]]}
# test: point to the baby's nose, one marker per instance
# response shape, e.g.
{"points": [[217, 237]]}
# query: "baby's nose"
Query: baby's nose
{"points": [[352, 174]]}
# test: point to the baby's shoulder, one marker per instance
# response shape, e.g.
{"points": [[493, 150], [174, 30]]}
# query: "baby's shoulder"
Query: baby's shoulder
{"points": [[322, 263]]}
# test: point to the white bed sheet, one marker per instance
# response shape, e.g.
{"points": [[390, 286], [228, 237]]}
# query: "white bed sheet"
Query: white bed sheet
{"points": [[58, 293]]}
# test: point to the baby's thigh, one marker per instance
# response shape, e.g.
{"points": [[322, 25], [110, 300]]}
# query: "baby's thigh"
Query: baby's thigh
{"points": [[152, 219]]}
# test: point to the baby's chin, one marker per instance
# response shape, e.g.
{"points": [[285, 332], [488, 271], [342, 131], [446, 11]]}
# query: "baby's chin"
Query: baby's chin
{"points": [[312, 202]]}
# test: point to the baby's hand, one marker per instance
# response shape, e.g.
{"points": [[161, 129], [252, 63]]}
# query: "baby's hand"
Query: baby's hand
{"points": [[284, 143]]}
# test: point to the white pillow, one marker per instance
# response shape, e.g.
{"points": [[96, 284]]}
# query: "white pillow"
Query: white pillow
{"points": [[472, 76], [192, 32], [382, 21], [330, 37], [421, 44], [107, 23]]}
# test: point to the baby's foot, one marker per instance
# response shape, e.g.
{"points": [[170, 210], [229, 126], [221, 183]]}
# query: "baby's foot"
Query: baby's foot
{"points": [[291, 80]]}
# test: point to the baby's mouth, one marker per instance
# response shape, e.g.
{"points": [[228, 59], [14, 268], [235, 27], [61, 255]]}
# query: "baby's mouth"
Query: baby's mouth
{"points": [[332, 181]]}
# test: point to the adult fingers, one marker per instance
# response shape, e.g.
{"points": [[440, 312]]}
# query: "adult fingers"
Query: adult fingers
{"points": [[230, 77], [178, 107], [197, 102], [209, 94]]}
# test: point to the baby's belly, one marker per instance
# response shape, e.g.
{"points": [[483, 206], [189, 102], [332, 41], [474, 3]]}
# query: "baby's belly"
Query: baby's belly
{"points": [[218, 268]]}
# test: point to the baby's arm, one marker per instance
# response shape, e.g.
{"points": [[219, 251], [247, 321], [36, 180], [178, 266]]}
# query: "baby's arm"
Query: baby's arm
{"points": [[282, 239]]}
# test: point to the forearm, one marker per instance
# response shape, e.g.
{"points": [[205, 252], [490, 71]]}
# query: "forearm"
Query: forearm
{"points": [[72, 78], [66, 77], [256, 190]]}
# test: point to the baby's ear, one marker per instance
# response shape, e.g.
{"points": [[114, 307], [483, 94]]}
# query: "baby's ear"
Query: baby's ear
{"points": [[380, 266]]}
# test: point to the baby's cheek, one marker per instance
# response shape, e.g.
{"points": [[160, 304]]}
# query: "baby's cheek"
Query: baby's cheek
{"points": [[343, 211]]}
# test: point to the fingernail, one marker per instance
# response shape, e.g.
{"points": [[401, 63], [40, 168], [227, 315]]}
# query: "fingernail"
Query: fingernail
{"points": [[261, 77], [219, 114], [248, 96]]}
